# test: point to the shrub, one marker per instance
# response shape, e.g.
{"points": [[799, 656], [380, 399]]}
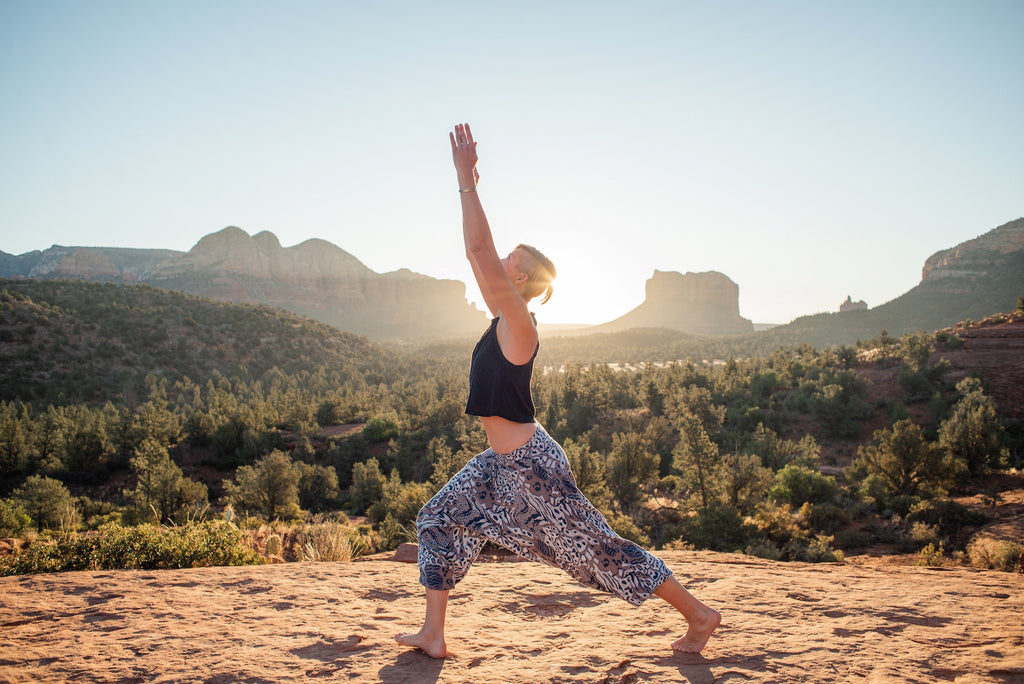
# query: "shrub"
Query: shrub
{"points": [[393, 533], [13, 520], [114, 547], [367, 485], [972, 434], [318, 487], [270, 486], [949, 340], [46, 501], [995, 554], [764, 549], [924, 535], [381, 428], [824, 517], [779, 528], [719, 528], [850, 538], [798, 485], [932, 556], [816, 550], [901, 462], [945, 515]]}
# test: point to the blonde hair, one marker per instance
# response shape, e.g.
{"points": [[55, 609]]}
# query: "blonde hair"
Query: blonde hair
{"points": [[539, 273]]}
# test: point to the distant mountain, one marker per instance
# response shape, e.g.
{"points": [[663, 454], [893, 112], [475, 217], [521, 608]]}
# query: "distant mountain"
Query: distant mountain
{"points": [[322, 281], [315, 278], [973, 280], [100, 264], [695, 303]]}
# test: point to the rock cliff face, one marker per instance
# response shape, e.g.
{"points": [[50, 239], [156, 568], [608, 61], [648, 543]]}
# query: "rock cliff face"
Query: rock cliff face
{"points": [[976, 258], [970, 281], [107, 264], [320, 280], [696, 303], [315, 279]]}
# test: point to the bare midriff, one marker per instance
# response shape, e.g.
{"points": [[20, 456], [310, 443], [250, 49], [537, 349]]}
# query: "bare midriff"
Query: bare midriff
{"points": [[504, 435]]}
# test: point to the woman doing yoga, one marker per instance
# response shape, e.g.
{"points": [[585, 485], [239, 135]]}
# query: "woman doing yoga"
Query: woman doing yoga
{"points": [[520, 493]]}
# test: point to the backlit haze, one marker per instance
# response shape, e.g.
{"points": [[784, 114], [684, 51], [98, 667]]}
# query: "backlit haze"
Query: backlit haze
{"points": [[808, 150]]}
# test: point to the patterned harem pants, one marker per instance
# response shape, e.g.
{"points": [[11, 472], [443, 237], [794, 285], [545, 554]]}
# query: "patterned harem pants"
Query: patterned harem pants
{"points": [[527, 501]]}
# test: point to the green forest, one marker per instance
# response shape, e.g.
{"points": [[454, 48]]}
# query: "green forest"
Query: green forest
{"points": [[147, 428]]}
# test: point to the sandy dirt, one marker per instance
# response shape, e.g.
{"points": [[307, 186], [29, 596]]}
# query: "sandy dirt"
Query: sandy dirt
{"points": [[512, 622]]}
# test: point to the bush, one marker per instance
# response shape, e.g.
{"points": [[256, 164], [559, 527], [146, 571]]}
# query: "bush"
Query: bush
{"points": [[46, 501], [816, 550], [932, 556], [994, 554], [945, 515], [720, 528], [13, 520], [850, 538], [973, 433], [270, 486], [779, 529], [901, 462], [381, 428], [948, 340], [824, 517], [318, 487], [367, 485], [145, 547], [798, 485], [393, 533], [924, 535]]}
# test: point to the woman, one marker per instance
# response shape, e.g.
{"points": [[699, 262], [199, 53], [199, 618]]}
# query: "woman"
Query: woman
{"points": [[520, 493]]}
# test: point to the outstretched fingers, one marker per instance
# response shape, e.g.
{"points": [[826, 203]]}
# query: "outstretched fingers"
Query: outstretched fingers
{"points": [[462, 136]]}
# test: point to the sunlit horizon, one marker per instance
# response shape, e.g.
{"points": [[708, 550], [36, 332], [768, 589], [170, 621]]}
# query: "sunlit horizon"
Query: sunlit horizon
{"points": [[808, 151]]}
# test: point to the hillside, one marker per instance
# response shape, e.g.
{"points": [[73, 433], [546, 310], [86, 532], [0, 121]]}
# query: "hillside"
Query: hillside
{"points": [[262, 380], [315, 279], [68, 342], [973, 280]]}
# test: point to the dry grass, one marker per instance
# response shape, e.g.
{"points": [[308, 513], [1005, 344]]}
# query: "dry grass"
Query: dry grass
{"points": [[321, 538], [994, 553]]}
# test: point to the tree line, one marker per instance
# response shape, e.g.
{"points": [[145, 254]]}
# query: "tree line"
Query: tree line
{"points": [[723, 455]]}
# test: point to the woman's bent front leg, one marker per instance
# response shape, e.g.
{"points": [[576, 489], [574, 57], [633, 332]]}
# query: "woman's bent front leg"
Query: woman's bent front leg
{"points": [[448, 542]]}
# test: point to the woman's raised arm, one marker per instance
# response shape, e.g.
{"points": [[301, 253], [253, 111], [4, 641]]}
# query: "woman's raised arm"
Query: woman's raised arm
{"points": [[498, 291]]}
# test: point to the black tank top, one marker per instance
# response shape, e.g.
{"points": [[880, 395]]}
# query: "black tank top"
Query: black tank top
{"points": [[498, 387]]}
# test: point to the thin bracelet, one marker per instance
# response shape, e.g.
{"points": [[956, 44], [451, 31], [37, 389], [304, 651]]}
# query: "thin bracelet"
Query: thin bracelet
{"points": [[467, 189]]}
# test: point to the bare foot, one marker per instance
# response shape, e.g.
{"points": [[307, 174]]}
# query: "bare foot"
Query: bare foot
{"points": [[433, 646], [698, 633]]}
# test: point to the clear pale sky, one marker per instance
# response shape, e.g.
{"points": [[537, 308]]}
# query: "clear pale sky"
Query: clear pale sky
{"points": [[808, 150]]}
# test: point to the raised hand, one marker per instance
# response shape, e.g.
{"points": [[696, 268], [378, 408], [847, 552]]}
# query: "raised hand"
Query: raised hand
{"points": [[464, 156]]}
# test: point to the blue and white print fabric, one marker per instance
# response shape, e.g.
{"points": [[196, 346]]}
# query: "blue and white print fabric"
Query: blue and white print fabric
{"points": [[527, 501]]}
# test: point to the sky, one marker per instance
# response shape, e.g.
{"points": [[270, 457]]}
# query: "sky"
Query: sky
{"points": [[808, 150]]}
